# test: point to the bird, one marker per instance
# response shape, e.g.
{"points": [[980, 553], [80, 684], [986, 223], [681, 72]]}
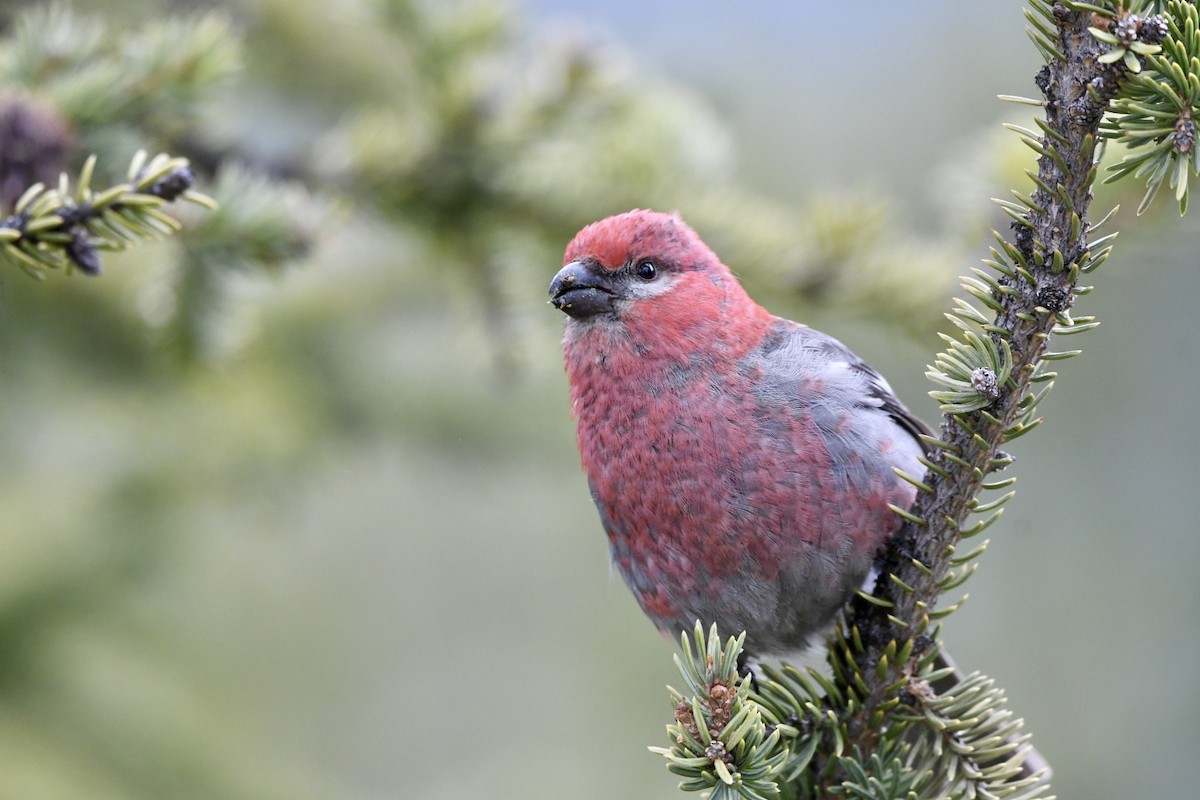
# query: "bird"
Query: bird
{"points": [[744, 466]]}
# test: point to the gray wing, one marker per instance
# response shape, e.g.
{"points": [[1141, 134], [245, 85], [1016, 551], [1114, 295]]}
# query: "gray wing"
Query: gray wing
{"points": [[882, 392], [798, 353]]}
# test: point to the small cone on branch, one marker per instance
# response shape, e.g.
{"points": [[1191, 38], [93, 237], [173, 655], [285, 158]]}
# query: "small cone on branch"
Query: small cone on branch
{"points": [[34, 140]]}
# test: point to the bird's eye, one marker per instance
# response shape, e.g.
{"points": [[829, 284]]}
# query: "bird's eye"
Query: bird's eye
{"points": [[647, 271]]}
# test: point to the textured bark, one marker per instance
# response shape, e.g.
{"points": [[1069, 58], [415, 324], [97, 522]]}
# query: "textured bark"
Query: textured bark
{"points": [[919, 556]]}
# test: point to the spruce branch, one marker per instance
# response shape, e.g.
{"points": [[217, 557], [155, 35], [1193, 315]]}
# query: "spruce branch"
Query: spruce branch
{"points": [[992, 377], [61, 228], [1154, 116], [720, 742], [894, 718]]}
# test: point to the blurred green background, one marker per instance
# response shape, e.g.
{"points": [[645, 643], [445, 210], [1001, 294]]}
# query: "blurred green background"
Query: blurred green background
{"points": [[314, 526]]}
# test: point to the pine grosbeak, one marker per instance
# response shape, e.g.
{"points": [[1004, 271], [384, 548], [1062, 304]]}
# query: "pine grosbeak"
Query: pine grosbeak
{"points": [[742, 464]]}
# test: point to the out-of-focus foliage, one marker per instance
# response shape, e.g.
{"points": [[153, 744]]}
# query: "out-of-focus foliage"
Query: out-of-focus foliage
{"points": [[78, 83], [333, 549], [119, 82], [486, 144], [451, 146], [495, 146]]}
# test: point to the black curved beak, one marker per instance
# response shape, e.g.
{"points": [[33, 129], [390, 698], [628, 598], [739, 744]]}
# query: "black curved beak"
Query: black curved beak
{"points": [[580, 291]]}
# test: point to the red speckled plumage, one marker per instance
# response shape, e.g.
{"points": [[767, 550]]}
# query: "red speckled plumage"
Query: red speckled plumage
{"points": [[741, 463]]}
